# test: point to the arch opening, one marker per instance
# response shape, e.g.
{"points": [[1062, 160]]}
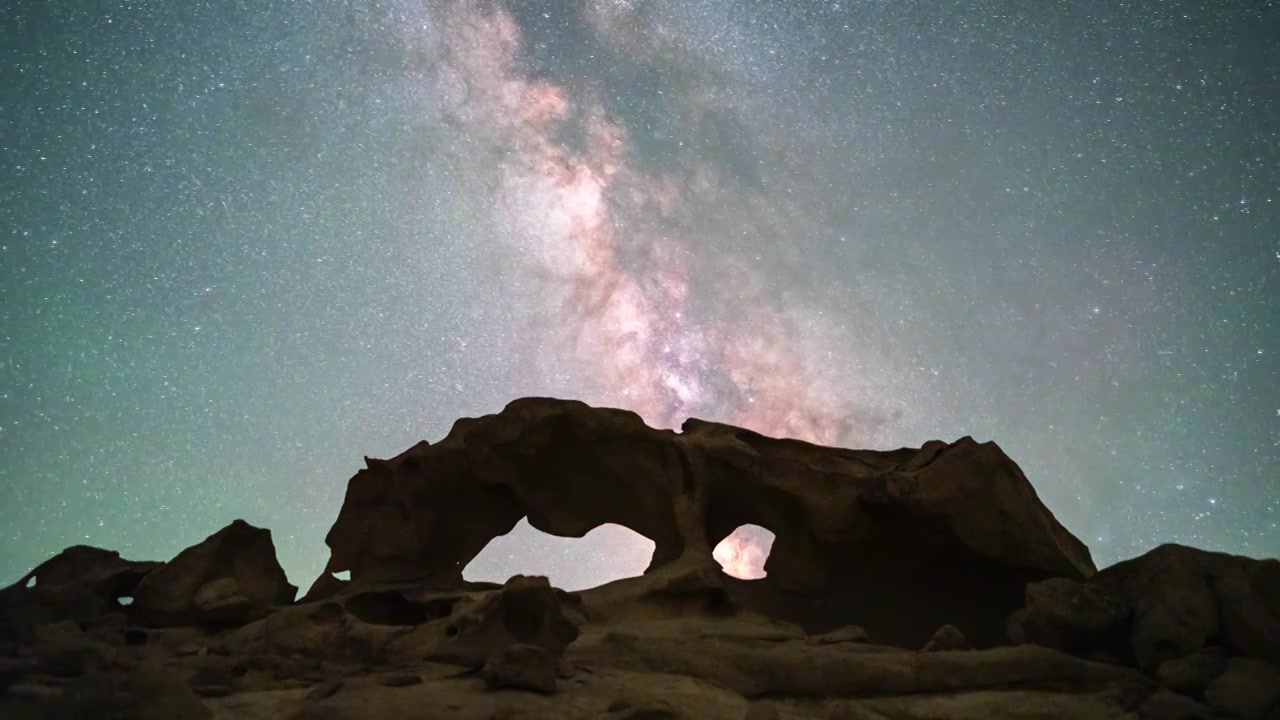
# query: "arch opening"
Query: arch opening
{"points": [[607, 553], [742, 554]]}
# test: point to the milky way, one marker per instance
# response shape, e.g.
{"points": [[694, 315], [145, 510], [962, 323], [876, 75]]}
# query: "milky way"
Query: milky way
{"points": [[243, 245], [639, 300]]}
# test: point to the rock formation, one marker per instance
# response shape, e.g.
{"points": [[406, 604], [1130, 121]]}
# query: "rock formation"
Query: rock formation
{"points": [[916, 583]]}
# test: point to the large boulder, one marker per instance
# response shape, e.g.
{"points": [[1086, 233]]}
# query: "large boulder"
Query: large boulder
{"points": [[1180, 598], [1068, 615], [958, 518], [231, 576], [1247, 624]]}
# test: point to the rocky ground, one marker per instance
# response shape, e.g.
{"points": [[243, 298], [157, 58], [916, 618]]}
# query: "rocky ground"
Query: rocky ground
{"points": [[914, 584]]}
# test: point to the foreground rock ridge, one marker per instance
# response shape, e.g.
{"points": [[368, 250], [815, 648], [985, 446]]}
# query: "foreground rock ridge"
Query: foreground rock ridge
{"points": [[914, 583]]}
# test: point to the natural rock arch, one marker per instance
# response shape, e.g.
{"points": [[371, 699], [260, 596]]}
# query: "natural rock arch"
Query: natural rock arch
{"points": [[978, 532]]}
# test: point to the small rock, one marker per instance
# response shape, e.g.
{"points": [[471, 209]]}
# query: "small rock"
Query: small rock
{"points": [[524, 667], [12, 670], [69, 658], [1190, 675], [159, 693], [1246, 689], [212, 691], [220, 601], [216, 670], [404, 679], [59, 632], [324, 691], [653, 711], [846, 634], [1165, 705], [216, 592], [947, 637]]}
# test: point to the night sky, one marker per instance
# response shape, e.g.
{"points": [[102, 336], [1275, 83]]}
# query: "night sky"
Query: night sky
{"points": [[244, 244]]}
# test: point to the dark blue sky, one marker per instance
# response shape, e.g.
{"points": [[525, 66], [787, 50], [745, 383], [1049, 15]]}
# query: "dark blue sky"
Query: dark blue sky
{"points": [[245, 244]]}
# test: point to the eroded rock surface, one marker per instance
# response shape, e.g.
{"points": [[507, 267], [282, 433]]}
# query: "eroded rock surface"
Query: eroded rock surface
{"points": [[893, 578], [81, 583], [959, 518]]}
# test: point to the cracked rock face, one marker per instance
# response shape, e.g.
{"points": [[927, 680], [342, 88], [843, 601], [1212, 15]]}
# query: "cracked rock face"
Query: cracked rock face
{"points": [[892, 581]]}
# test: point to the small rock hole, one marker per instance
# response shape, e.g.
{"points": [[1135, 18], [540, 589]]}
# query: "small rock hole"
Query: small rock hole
{"points": [[439, 609], [386, 608]]}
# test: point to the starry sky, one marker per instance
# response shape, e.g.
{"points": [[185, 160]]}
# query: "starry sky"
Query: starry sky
{"points": [[244, 244]]}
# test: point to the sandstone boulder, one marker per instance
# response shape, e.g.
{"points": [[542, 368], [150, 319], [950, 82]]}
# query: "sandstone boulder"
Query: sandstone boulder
{"points": [[1180, 598], [81, 583], [1068, 615], [233, 572]]}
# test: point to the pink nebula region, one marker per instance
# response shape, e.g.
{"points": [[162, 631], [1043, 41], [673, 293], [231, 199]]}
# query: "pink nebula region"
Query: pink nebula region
{"points": [[634, 286]]}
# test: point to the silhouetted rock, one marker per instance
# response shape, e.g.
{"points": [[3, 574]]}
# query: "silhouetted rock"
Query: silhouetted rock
{"points": [[1180, 598], [81, 583], [876, 554], [958, 518], [230, 576]]}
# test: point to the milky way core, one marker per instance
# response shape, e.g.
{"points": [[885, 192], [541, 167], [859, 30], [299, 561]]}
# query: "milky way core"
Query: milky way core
{"points": [[634, 294]]}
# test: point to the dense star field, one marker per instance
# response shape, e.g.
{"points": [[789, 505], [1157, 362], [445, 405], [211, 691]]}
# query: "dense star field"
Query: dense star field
{"points": [[244, 244]]}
